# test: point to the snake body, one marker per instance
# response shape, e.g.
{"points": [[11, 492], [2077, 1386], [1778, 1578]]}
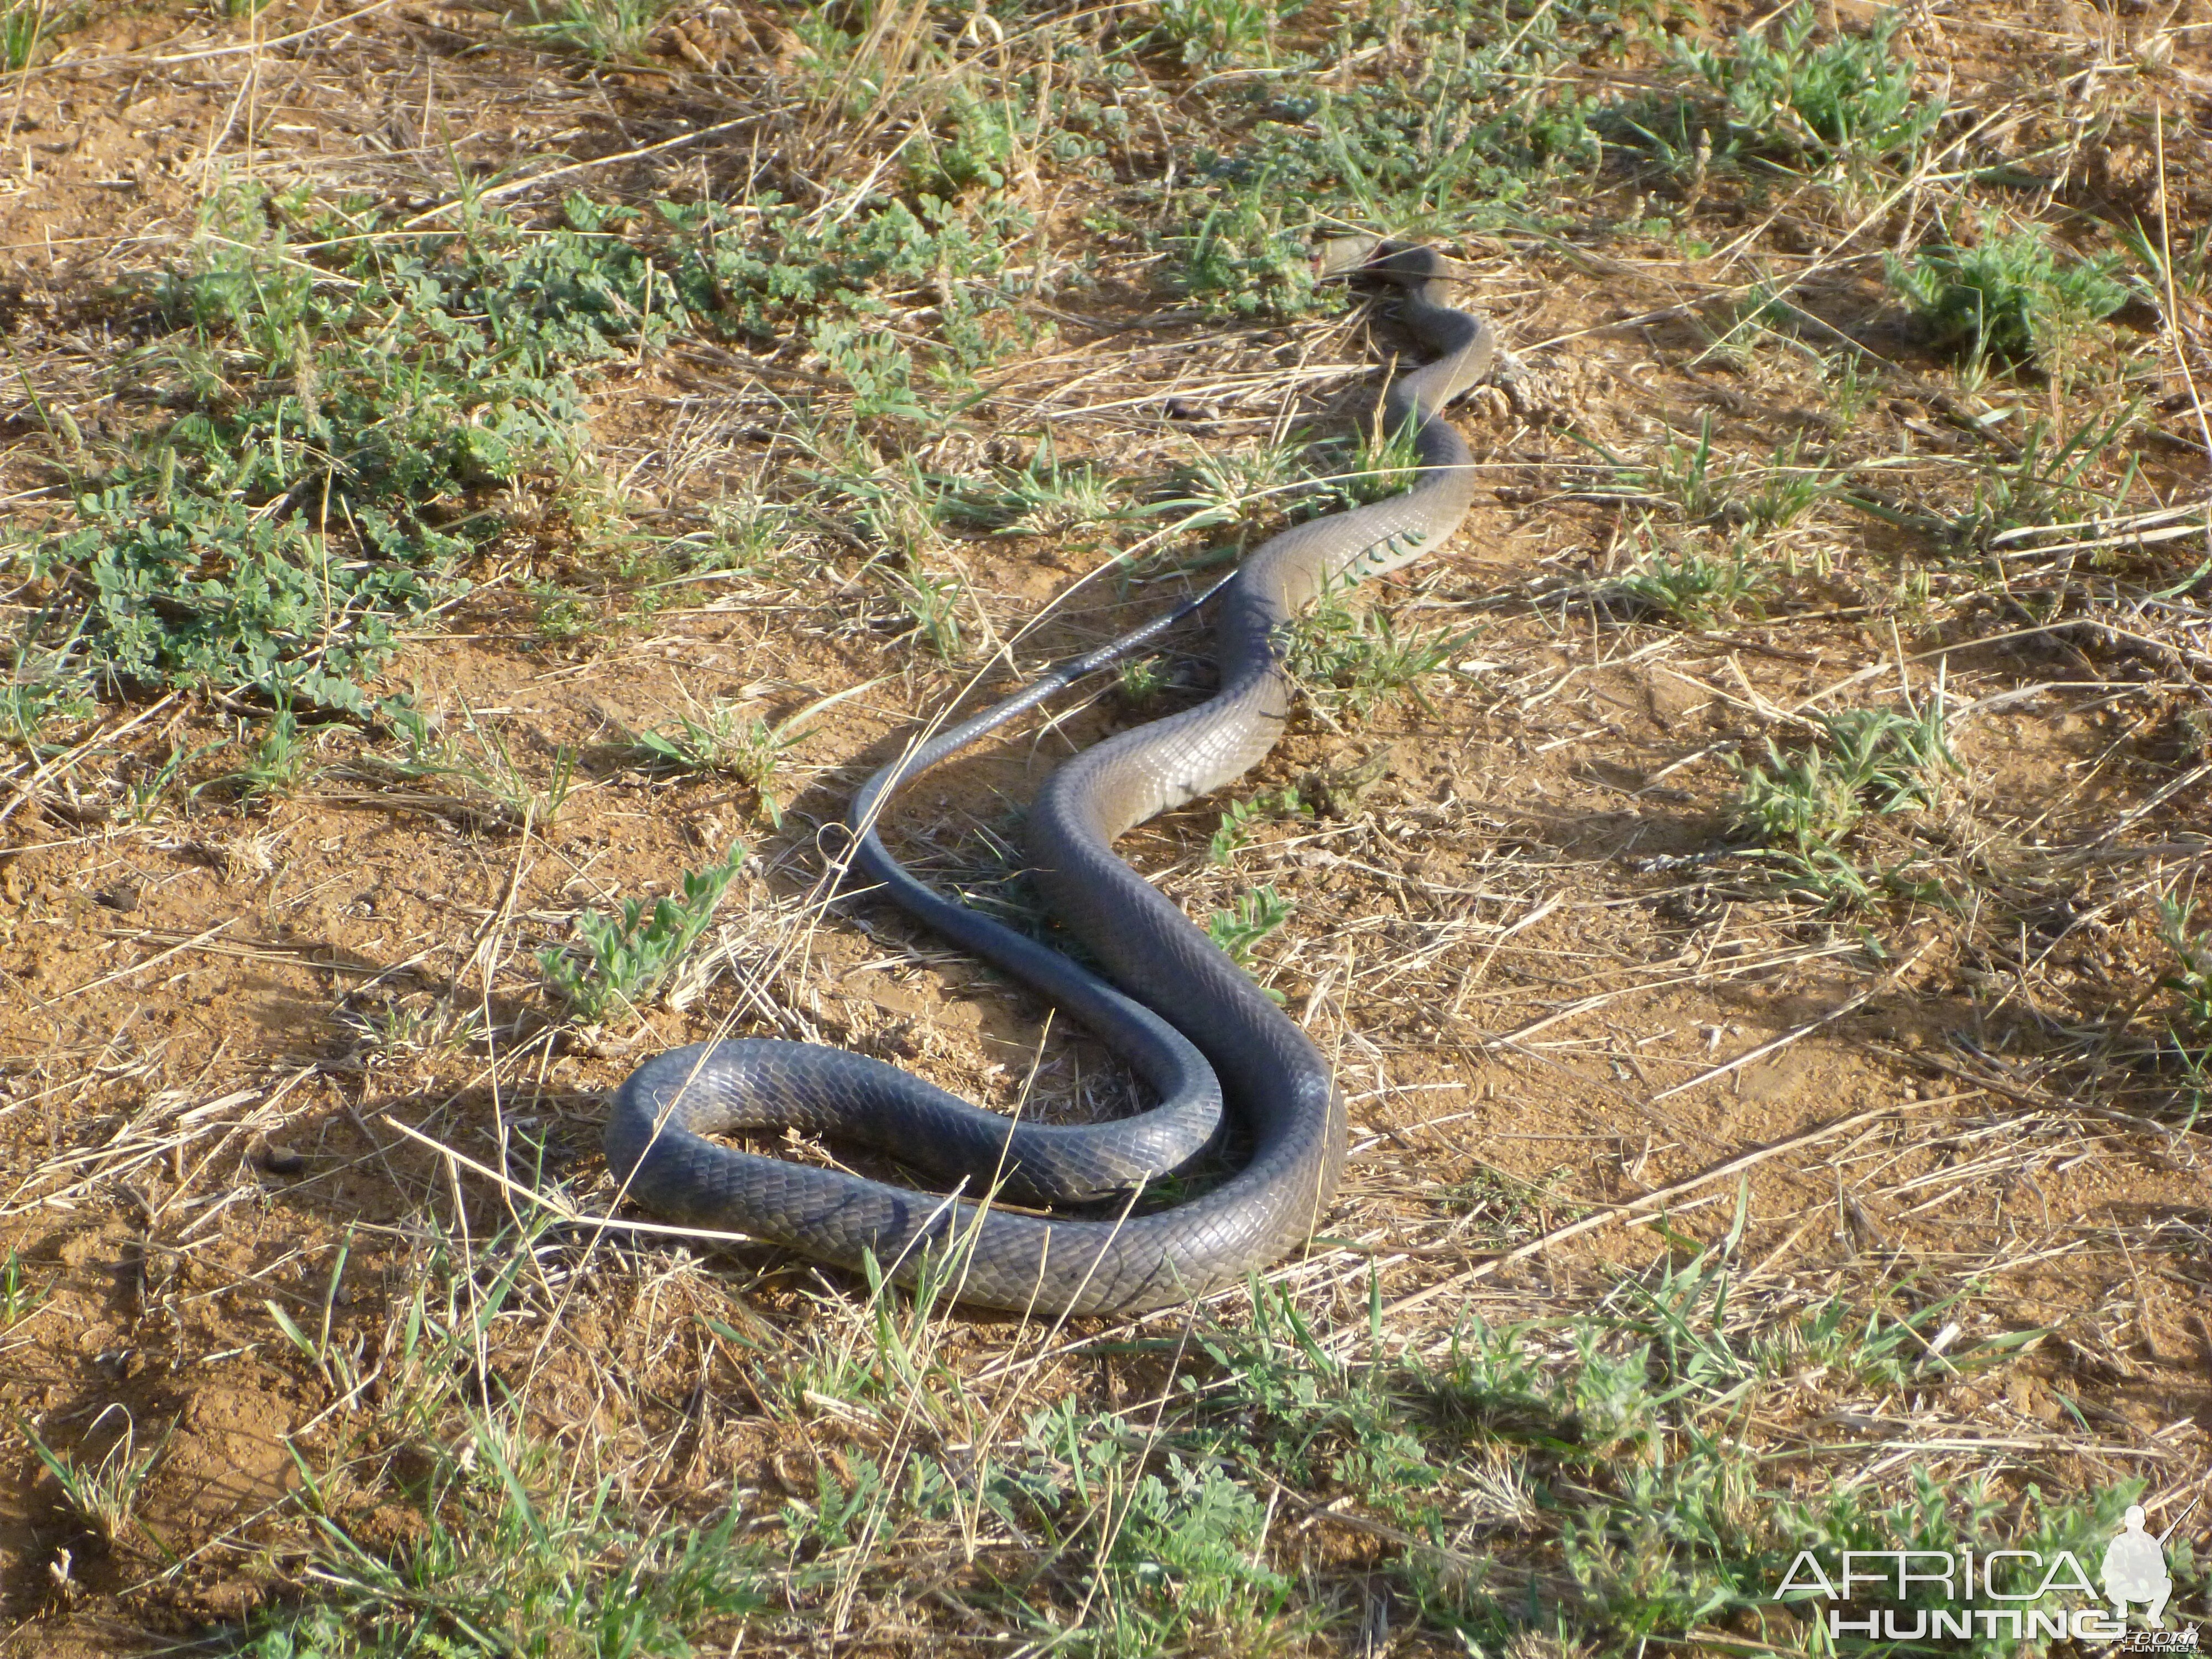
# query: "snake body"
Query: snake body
{"points": [[1185, 1015]]}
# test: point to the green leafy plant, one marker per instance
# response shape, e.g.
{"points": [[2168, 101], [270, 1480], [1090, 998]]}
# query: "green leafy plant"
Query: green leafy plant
{"points": [[1186, 1556], [45, 690], [1779, 495], [473, 766], [1246, 257], [1140, 679], [1893, 759], [391, 1028], [332, 1360], [2011, 295], [974, 145], [18, 1296], [1783, 95], [879, 368], [1046, 498], [23, 26], [295, 511], [1682, 476], [1689, 478], [772, 271], [630, 956], [1383, 462], [1355, 660], [1473, 138], [561, 617], [2189, 268], [1229, 486], [517, 1554], [1240, 816], [277, 764], [933, 603], [1217, 31], [146, 788], [1256, 914], [2052, 482], [1804, 801]]}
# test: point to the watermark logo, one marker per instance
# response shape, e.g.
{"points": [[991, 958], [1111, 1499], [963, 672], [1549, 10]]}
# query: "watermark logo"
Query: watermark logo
{"points": [[2134, 1571], [1909, 1595]]}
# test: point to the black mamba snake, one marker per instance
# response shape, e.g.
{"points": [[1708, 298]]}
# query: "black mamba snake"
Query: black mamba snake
{"points": [[1194, 1016]]}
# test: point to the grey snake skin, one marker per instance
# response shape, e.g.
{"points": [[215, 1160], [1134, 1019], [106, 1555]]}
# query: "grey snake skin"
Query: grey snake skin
{"points": [[1184, 1015]]}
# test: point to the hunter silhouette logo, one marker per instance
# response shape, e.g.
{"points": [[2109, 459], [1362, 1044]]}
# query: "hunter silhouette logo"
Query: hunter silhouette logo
{"points": [[2023, 1594], [2135, 1569]]}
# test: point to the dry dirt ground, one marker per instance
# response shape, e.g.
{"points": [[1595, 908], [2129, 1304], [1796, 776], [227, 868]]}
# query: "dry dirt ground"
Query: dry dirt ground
{"points": [[239, 1037]]}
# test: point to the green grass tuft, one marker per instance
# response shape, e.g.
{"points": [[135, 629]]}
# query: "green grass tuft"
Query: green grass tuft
{"points": [[1806, 804], [747, 747], [1354, 661], [2191, 977], [24, 27], [1691, 589], [608, 30]]}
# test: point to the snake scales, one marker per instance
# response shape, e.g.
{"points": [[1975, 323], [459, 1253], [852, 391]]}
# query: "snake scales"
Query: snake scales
{"points": [[1185, 1014]]}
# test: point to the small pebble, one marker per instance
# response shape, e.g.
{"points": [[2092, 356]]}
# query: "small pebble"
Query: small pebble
{"points": [[279, 1159]]}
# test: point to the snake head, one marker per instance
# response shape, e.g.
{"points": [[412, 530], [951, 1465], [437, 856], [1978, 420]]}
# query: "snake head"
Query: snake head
{"points": [[1341, 256]]}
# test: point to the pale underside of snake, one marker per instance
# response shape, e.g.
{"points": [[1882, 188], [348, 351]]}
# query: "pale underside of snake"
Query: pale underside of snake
{"points": [[1185, 1018]]}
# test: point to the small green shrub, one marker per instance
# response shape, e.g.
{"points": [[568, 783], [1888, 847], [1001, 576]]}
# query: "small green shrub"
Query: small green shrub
{"points": [[2011, 295], [297, 510], [1239, 818], [1783, 95], [1470, 138], [1864, 758], [1248, 256], [628, 957]]}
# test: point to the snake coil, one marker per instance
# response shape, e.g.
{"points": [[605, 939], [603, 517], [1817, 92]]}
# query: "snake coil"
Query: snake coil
{"points": [[1185, 1015]]}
